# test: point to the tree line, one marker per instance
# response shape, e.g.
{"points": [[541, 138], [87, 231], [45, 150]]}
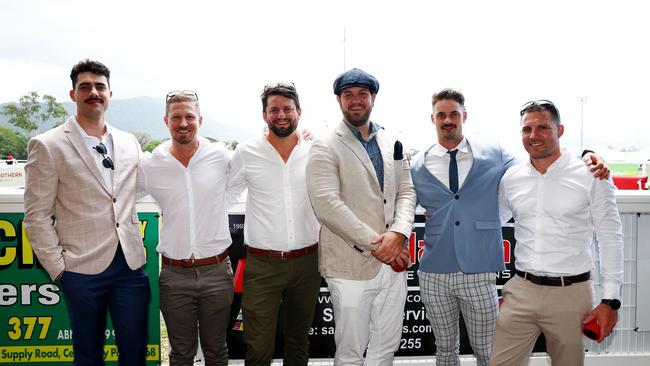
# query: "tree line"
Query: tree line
{"points": [[30, 113]]}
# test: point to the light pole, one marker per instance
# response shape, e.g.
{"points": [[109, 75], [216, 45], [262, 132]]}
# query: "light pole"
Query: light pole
{"points": [[582, 101]]}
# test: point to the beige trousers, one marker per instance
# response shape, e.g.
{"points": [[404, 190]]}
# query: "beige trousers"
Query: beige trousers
{"points": [[529, 309]]}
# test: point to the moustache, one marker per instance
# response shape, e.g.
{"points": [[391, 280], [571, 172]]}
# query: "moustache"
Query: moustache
{"points": [[93, 100]]}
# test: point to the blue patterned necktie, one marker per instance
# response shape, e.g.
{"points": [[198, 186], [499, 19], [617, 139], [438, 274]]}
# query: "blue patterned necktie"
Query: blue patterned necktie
{"points": [[453, 171]]}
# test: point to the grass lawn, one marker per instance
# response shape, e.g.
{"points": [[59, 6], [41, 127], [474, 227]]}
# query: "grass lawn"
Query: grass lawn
{"points": [[628, 169]]}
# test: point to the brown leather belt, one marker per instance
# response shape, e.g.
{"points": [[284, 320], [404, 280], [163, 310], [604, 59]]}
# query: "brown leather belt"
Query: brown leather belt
{"points": [[195, 262], [554, 281], [283, 255]]}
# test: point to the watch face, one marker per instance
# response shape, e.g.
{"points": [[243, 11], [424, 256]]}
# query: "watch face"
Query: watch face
{"points": [[613, 303]]}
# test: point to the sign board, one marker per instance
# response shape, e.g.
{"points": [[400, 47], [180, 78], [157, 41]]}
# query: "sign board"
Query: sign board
{"points": [[34, 323]]}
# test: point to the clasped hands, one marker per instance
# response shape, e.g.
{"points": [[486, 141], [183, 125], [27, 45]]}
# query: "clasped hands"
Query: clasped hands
{"points": [[391, 249]]}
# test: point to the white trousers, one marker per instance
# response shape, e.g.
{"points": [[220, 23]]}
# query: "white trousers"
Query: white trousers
{"points": [[368, 314]]}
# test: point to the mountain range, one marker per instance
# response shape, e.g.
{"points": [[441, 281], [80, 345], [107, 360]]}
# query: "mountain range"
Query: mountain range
{"points": [[145, 114]]}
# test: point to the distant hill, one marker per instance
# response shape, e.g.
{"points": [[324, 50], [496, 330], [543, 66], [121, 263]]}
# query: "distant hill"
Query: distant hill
{"points": [[145, 114]]}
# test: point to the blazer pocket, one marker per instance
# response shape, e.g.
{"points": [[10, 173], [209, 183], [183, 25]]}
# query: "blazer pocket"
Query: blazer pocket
{"points": [[488, 225], [433, 228]]}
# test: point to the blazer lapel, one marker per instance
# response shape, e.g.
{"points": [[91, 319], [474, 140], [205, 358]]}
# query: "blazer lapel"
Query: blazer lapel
{"points": [[118, 156], [79, 145], [477, 159], [387, 147], [348, 139]]}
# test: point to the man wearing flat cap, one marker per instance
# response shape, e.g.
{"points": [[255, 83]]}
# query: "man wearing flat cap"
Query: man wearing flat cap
{"points": [[361, 191]]}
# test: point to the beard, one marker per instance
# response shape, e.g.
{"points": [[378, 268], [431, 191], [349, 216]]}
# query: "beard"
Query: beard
{"points": [[357, 121], [282, 131], [183, 138]]}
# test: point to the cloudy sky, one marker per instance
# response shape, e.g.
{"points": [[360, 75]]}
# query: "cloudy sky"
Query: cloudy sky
{"points": [[499, 53]]}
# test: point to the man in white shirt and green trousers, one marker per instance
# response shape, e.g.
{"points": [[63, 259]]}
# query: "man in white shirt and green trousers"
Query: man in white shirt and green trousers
{"points": [[188, 176], [280, 230], [557, 207]]}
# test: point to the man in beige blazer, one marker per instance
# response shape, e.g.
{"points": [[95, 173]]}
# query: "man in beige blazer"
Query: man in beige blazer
{"points": [[360, 187], [83, 173]]}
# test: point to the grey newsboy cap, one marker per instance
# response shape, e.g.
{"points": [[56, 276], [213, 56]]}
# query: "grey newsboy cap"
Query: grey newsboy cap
{"points": [[355, 77]]}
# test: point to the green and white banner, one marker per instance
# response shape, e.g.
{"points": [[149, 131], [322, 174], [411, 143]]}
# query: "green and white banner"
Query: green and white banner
{"points": [[34, 324]]}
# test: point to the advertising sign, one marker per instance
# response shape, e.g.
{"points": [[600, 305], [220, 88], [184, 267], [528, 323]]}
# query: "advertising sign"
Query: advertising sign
{"points": [[34, 323], [417, 336]]}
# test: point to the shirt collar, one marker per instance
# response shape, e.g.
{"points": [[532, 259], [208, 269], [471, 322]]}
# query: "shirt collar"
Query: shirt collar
{"points": [[564, 158], [83, 133], [301, 142], [440, 150], [163, 148], [374, 129]]}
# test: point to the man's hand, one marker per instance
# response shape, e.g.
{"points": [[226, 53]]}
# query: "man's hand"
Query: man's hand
{"points": [[606, 318], [402, 262], [390, 246], [597, 165], [307, 135]]}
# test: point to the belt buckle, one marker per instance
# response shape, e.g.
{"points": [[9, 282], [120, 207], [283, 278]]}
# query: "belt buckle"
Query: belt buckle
{"points": [[282, 256]]}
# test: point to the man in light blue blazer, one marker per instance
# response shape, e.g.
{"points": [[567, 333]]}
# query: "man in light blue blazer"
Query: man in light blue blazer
{"points": [[456, 181]]}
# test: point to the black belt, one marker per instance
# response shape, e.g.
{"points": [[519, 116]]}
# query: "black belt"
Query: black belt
{"points": [[554, 281]]}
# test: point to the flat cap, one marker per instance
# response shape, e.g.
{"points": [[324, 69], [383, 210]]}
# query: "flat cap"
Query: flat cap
{"points": [[355, 77]]}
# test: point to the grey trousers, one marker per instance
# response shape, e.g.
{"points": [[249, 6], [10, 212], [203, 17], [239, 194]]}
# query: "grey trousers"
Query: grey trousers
{"points": [[446, 296], [195, 301]]}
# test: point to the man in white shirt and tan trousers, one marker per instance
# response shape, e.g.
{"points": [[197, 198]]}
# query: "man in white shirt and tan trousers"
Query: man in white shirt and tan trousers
{"points": [[280, 230], [188, 176], [557, 207]]}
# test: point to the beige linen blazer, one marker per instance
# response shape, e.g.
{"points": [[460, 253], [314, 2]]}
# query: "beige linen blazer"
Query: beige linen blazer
{"points": [[63, 180], [348, 201]]}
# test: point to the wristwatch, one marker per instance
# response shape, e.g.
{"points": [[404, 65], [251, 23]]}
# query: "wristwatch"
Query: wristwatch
{"points": [[615, 304]]}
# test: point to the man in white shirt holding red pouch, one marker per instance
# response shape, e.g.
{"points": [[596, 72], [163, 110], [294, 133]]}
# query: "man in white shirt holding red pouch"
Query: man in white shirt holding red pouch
{"points": [[557, 207], [188, 177], [280, 230]]}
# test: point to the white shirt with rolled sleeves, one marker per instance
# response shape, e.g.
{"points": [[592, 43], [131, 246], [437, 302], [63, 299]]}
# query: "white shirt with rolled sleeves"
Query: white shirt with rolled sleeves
{"points": [[193, 199], [556, 215], [279, 215]]}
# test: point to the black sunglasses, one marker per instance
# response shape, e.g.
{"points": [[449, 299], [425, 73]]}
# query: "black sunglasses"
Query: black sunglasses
{"points": [[107, 162], [187, 93], [543, 103]]}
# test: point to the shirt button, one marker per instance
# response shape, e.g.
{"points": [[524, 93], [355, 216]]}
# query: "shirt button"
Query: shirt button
{"points": [[385, 201], [457, 223], [387, 226], [456, 196], [114, 200], [117, 224]]}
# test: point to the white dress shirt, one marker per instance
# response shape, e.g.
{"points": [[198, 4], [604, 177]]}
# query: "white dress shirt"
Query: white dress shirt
{"points": [[192, 199], [556, 214], [91, 142], [278, 211], [437, 160]]}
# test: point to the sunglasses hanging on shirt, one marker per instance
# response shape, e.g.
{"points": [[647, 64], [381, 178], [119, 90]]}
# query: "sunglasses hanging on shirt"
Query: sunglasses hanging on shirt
{"points": [[107, 162]]}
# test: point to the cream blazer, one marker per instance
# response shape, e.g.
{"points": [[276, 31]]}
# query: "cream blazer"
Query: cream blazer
{"points": [[64, 182], [348, 201]]}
